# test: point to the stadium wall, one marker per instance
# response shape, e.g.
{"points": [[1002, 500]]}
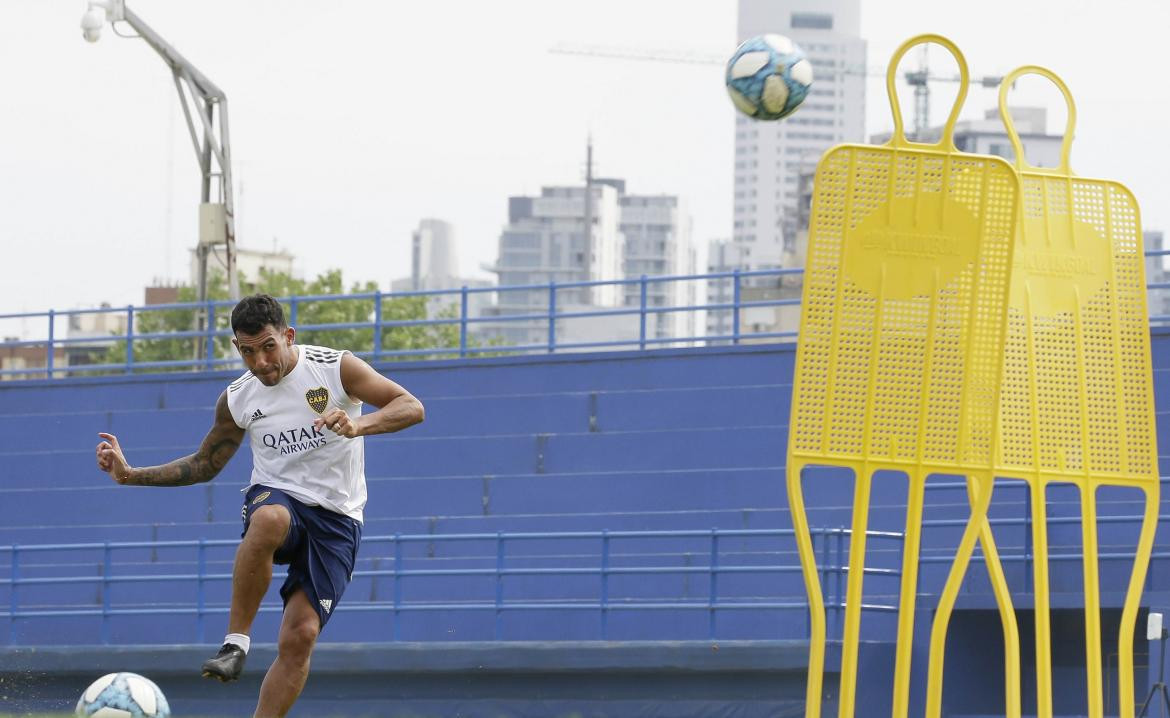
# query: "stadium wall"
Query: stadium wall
{"points": [[668, 440]]}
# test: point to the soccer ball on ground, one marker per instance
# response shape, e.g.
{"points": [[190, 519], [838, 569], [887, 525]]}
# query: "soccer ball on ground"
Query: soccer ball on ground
{"points": [[768, 77], [123, 695]]}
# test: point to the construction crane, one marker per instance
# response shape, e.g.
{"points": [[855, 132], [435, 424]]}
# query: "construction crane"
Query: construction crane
{"points": [[919, 79]]}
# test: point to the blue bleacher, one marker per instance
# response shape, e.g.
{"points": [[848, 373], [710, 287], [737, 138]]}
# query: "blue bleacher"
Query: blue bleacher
{"points": [[656, 441]]}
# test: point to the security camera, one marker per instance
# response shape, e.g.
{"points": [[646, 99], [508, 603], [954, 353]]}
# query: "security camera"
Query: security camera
{"points": [[91, 24]]}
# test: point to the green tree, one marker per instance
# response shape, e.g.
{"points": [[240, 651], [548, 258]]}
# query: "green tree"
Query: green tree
{"points": [[441, 340]]}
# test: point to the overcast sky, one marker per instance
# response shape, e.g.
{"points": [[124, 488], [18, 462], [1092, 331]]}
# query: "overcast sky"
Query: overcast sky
{"points": [[351, 120]]}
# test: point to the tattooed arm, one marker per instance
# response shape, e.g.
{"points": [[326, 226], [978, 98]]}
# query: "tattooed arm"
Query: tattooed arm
{"points": [[218, 447]]}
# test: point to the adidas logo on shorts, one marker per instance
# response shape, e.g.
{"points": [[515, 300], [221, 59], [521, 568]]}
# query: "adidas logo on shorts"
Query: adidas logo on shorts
{"points": [[257, 415], [327, 604]]}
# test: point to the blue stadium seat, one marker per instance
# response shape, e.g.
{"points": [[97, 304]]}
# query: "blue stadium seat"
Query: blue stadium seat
{"points": [[670, 441]]}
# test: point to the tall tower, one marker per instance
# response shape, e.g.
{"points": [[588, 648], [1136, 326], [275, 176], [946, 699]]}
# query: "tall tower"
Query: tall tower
{"points": [[769, 155], [656, 241], [433, 261]]}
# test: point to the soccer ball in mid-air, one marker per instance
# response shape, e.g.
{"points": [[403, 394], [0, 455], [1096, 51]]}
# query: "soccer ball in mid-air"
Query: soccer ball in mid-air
{"points": [[768, 77], [123, 695]]}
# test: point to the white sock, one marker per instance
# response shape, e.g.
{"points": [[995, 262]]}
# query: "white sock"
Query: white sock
{"points": [[239, 639]]}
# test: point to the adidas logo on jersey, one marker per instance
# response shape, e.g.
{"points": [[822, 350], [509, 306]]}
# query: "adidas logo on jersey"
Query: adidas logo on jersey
{"points": [[257, 415], [327, 604]]}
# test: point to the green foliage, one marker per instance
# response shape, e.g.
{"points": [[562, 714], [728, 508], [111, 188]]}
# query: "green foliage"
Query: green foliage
{"points": [[439, 339]]}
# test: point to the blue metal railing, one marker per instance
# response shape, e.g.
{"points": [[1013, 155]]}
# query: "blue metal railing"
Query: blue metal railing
{"points": [[601, 565], [498, 563], [526, 331]]}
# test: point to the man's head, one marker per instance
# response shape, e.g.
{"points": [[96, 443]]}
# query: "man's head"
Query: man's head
{"points": [[263, 338]]}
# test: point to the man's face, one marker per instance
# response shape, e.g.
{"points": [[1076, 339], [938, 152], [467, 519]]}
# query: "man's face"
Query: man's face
{"points": [[268, 354]]}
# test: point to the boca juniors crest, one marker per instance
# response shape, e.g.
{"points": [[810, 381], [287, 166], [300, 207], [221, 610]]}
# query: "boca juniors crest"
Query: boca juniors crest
{"points": [[318, 398]]}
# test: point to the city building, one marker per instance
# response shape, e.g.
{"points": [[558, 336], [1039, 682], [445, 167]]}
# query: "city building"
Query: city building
{"points": [[433, 257], [983, 136], [564, 235], [92, 334], [19, 356], [723, 255], [988, 136], [631, 236], [249, 263], [771, 156], [434, 266], [1154, 240], [656, 241]]}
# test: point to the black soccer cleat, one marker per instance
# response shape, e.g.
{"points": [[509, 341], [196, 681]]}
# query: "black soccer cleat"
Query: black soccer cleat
{"points": [[227, 665]]}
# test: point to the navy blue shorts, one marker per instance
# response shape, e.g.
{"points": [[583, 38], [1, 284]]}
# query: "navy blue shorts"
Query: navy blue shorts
{"points": [[320, 549]]}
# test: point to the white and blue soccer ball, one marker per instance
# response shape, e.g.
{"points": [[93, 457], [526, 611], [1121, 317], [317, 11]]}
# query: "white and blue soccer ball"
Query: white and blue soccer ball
{"points": [[123, 695], [768, 77]]}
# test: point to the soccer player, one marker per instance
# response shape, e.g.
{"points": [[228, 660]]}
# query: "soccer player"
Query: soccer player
{"points": [[301, 407]]}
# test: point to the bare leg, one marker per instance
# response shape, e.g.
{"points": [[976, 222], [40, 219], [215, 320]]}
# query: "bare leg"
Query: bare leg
{"points": [[252, 571], [286, 677]]}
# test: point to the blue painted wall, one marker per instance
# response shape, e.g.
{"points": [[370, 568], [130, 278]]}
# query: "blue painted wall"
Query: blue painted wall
{"points": [[664, 440]]}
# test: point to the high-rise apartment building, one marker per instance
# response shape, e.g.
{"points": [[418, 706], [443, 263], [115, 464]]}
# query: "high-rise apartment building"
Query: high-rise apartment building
{"points": [[770, 156], [434, 266], [558, 237], [1158, 300], [629, 235], [988, 136], [656, 232], [433, 260], [547, 240]]}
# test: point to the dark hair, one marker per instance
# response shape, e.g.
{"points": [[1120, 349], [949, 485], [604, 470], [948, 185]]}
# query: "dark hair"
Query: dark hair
{"points": [[255, 312]]}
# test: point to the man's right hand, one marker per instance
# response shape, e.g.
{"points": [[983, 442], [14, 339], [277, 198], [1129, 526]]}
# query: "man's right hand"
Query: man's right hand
{"points": [[111, 460]]}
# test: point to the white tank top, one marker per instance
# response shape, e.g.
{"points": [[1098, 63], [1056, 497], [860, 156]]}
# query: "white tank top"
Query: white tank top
{"points": [[315, 466]]}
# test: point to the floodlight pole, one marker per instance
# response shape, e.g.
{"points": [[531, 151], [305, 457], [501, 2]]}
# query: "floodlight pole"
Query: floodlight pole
{"points": [[212, 151]]}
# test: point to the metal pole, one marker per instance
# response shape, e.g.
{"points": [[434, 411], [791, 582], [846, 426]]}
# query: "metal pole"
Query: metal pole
{"points": [[13, 594], [210, 349], [713, 591], [200, 598], [129, 338], [604, 584], [735, 307], [463, 322], [838, 601], [552, 316], [107, 567], [377, 325], [229, 203], [207, 97], [642, 317], [397, 586], [170, 55], [499, 583], [49, 359]]}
